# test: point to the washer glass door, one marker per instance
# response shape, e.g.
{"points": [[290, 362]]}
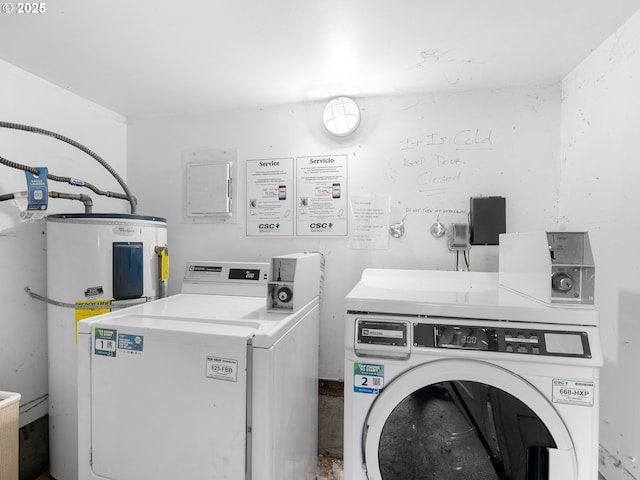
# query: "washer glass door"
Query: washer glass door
{"points": [[459, 420]]}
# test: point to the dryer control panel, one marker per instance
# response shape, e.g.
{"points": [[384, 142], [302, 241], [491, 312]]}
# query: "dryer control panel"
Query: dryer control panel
{"points": [[499, 339], [397, 338]]}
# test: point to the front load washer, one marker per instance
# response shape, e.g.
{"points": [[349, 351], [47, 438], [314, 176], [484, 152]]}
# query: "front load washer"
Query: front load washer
{"points": [[209, 383], [449, 376]]}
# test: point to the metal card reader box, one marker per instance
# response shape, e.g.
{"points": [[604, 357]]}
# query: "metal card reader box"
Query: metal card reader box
{"points": [[294, 281], [554, 267]]}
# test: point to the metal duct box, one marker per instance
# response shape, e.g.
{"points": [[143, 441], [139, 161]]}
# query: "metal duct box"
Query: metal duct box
{"points": [[554, 267], [9, 458]]}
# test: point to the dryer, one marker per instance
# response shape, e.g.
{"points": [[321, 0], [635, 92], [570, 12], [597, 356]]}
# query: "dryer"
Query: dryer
{"points": [[209, 383], [450, 376]]}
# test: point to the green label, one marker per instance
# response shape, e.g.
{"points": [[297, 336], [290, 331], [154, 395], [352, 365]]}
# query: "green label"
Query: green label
{"points": [[105, 342], [368, 378]]}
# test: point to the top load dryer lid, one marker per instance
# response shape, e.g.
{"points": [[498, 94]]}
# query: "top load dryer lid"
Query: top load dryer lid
{"points": [[454, 294], [184, 311]]}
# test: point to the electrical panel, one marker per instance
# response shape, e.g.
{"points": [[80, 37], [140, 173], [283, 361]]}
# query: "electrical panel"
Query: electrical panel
{"points": [[458, 237], [487, 220]]}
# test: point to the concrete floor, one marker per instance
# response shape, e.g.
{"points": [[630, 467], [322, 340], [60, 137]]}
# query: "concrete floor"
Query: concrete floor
{"points": [[329, 468]]}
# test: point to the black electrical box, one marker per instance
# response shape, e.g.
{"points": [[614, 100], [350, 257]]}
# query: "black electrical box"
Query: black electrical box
{"points": [[487, 220]]}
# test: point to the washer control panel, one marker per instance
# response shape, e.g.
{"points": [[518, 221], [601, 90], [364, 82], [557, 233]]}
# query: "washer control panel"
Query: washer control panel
{"points": [[502, 339]]}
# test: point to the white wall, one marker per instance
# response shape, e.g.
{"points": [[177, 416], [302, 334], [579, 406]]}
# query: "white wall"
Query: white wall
{"points": [[599, 193], [388, 154], [26, 99]]}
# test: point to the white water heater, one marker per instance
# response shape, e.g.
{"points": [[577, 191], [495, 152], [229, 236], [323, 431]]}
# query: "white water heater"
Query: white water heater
{"points": [[95, 263]]}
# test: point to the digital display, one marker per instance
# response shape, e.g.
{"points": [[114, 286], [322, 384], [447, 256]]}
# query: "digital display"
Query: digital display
{"points": [[464, 337], [244, 274]]}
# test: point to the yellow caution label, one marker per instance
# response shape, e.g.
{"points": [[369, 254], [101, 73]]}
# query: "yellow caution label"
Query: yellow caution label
{"points": [[164, 274], [84, 313]]}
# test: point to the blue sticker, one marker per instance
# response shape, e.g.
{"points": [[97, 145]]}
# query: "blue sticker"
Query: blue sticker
{"points": [[368, 378], [37, 189], [130, 344]]}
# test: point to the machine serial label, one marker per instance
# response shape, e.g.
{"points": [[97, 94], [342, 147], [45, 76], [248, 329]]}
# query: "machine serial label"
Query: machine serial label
{"points": [[222, 369], [573, 392], [368, 378], [105, 342]]}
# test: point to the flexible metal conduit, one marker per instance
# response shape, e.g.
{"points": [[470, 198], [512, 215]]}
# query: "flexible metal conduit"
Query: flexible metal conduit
{"points": [[71, 181], [62, 138], [90, 306]]}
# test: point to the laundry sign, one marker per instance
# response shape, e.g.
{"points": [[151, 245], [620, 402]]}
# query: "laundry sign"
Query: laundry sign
{"points": [[38, 194]]}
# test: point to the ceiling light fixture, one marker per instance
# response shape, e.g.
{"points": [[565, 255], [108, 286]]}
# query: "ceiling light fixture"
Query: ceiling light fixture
{"points": [[341, 116]]}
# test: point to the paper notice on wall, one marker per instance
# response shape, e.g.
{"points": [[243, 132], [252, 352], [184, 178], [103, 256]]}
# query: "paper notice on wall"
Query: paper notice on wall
{"points": [[369, 222], [321, 192], [270, 198]]}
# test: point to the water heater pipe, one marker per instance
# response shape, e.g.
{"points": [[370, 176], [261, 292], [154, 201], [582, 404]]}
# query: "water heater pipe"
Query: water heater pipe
{"points": [[85, 199]]}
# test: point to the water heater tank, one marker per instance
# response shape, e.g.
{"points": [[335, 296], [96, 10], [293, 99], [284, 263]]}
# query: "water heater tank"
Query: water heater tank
{"points": [[108, 260]]}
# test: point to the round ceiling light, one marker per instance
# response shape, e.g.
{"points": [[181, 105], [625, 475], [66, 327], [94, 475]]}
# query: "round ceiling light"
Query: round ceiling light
{"points": [[341, 116]]}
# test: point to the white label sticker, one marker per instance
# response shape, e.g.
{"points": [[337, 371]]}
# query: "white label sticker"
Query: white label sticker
{"points": [[222, 369], [573, 392]]}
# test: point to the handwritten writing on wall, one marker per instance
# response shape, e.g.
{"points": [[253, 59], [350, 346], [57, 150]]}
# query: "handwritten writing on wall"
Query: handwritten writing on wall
{"points": [[468, 139], [440, 162], [433, 174]]}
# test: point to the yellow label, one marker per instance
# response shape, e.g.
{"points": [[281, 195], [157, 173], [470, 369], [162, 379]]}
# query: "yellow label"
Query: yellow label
{"points": [[165, 265], [84, 313]]}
